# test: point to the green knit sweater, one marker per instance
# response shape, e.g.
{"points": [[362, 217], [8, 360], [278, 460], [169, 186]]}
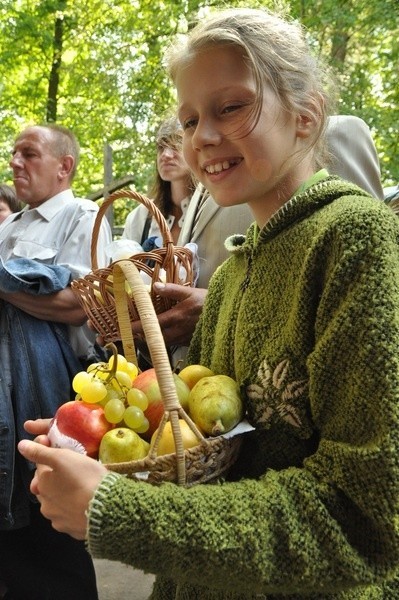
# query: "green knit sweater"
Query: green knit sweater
{"points": [[306, 318]]}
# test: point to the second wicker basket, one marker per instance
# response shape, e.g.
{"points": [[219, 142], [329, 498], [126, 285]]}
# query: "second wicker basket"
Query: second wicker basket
{"points": [[169, 264]]}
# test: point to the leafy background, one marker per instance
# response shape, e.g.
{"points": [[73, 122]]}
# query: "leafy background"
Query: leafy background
{"points": [[96, 67]]}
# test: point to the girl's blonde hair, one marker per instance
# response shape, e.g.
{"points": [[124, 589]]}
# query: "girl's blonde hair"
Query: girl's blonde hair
{"points": [[277, 52]]}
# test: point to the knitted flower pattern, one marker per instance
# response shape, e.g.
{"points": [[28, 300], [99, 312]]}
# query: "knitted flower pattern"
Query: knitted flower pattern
{"points": [[275, 398]]}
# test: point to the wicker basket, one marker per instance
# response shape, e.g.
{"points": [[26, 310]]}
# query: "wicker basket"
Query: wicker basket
{"points": [[203, 463], [96, 292]]}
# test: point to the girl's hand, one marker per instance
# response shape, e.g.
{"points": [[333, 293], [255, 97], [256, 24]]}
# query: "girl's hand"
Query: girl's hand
{"points": [[37, 427], [40, 428], [64, 483]]}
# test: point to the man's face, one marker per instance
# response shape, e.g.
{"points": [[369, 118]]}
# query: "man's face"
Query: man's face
{"points": [[36, 171]]}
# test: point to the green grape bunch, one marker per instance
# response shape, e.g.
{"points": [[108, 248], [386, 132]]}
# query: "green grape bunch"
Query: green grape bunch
{"points": [[109, 384]]}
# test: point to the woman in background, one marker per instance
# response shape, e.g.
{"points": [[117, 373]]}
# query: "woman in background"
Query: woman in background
{"points": [[9, 202], [171, 191]]}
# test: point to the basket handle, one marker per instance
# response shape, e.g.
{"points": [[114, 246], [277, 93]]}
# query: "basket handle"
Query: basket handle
{"points": [[156, 345], [150, 206]]}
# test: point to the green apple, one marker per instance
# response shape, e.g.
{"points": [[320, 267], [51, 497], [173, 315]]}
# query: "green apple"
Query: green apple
{"points": [[122, 445]]}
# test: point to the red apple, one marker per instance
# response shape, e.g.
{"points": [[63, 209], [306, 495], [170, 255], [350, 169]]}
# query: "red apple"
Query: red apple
{"points": [[79, 426], [147, 383]]}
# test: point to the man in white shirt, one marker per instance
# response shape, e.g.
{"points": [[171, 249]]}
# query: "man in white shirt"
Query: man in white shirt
{"points": [[54, 227], [44, 341]]}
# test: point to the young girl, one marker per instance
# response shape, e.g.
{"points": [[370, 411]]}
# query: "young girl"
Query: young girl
{"points": [[305, 316]]}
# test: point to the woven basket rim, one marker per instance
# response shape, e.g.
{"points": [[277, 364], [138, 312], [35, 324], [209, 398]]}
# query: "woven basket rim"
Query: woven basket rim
{"points": [[141, 199], [152, 469], [94, 291]]}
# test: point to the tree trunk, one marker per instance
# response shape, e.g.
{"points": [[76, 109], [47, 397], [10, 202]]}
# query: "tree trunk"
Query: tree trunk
{"points": [[339, 46], [54, 80]]}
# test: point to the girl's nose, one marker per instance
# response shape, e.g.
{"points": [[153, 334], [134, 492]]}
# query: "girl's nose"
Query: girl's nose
{"points": [[205, 134]]}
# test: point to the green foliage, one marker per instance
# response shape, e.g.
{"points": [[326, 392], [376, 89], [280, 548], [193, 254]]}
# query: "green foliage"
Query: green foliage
{"points": [[111, 87], [360, 40]]}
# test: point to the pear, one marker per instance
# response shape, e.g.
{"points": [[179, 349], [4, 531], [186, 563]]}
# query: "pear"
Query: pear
{"points": [[215, 404], [122, 445]]}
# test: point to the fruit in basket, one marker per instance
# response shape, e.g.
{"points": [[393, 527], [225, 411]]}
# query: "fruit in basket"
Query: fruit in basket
{"points": [[147, 383], [193, 373], [122, 445], [79, 426], [183, 391], [215, 404], [166, 444], [109, 384]]}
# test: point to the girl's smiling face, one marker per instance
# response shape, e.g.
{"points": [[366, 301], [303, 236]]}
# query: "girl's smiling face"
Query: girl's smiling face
{"points": [[236, 157]]}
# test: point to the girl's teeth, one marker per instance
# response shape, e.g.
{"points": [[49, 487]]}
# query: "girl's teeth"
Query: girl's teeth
{"points": [[219, 167]]}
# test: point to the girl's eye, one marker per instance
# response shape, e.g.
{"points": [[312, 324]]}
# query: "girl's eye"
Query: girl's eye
{"points": [[233, 108], [188, 123], [230, 108]]}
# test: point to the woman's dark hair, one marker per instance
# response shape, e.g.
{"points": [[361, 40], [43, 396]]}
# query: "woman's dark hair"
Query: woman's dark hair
{"points": [[169, 134], [9, 196]]}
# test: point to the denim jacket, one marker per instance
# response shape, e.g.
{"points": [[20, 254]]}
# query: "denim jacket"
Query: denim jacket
{"points": [[31, 276], [37, 367], [37, 364]]}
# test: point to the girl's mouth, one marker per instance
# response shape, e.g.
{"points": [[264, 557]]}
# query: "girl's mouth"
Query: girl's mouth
{"points": [[221, 166]]}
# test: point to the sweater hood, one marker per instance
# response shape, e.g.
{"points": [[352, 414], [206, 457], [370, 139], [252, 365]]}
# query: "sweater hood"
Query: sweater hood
{"points": [[295, 209]]}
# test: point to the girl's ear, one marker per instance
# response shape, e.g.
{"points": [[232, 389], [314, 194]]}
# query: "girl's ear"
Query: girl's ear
{"points": [[305, 126], [309, 122]]}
